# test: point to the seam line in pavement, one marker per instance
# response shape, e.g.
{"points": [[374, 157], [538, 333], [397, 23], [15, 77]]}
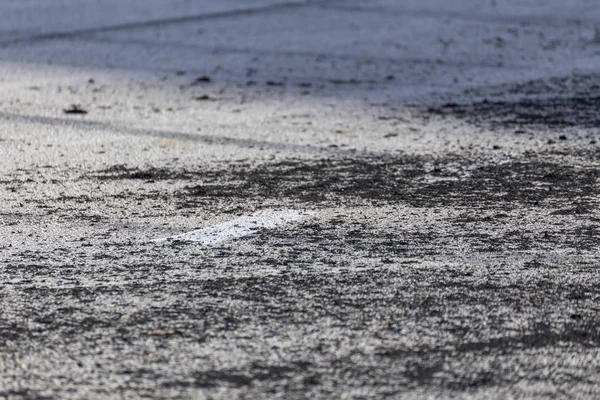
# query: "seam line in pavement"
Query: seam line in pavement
{"points": [[153, 23]]}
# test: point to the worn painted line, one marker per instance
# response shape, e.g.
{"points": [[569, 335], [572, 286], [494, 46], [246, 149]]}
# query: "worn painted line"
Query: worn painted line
{"points": [[239, 227]]}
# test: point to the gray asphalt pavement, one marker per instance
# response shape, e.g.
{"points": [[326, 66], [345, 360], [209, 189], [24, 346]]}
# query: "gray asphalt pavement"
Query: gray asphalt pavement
{"points": [[299, 199]]}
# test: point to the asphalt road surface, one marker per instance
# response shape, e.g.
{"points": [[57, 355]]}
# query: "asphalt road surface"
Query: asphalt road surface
{"points": [[299, 199]]}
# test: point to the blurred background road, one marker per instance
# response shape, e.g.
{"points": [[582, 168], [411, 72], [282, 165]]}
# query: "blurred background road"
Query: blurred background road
{"points": [[388, 199]]}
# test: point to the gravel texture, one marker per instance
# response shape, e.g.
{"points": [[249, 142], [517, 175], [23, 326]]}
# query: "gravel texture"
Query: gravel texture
{"points": [[443, 155]]}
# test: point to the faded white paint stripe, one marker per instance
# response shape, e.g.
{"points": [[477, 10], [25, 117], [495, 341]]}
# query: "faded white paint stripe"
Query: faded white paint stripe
{"points": [[239, 227]]}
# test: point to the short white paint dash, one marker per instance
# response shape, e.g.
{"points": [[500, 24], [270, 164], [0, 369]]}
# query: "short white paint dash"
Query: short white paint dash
{"points": [[239, 227]]}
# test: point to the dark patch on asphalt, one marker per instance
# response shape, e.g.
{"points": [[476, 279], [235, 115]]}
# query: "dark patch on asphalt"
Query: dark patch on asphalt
{"points": [[556, 112], [407, 181], [565, 189], [416, 181], [532, 106]]}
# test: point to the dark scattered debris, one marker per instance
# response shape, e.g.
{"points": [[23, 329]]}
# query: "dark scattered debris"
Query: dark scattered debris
{"points": [[75, 109], [273, 83], [571, 85], [118, 172], [201, 80]]}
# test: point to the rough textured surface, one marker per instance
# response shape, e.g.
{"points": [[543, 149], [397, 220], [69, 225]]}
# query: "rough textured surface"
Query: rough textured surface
{"points": [[446, 152]]}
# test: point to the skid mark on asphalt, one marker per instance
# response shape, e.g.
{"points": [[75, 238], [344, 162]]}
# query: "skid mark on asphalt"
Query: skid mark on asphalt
{"points": [[239, 227], [91, 125]]}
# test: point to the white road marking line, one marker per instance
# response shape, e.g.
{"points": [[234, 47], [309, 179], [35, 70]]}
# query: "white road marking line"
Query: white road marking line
{"points": [[239, 227]]}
